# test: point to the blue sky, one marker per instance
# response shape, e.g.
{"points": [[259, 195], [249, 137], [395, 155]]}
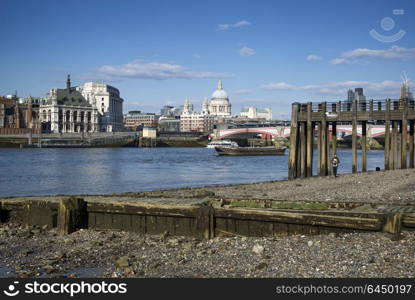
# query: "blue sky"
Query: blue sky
{"points": [[267, 53]]}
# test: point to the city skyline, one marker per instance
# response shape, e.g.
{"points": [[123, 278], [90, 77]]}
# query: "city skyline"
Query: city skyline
{"points": [[268, 54]]}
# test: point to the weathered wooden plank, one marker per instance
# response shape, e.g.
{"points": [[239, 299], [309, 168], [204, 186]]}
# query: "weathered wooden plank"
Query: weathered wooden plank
{"points": [[72, 215], [292, 160], [393, 223], [387, 137], [324, 141], [303, 153], [404, 135], [310, 142], [39, 213], [411, 144], [243, 227], [151, 224], [301, 218], [394, 145], [162, 210], [364, 144], [354, 137], [138, 224], [122, 222]]}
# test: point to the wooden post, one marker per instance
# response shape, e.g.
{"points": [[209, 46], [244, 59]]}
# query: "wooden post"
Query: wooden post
{"points": [[411, 143], [72, 215], [204, 221], [393, 224], [303, 153], [334, 137], [394, 144], [292, 163], [363, 142], [404, 134], [387, 135], [324, 140], [319, 148], [310, 141], [354, 137]]}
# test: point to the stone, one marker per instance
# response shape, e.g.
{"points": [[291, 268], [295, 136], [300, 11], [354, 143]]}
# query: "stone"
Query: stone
{"points": [[310, 243], [122, 262], [258, 249], [261, 266]]}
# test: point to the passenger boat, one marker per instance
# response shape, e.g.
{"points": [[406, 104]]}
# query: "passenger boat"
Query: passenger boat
{"points": [[224, 143], [240, 151]]}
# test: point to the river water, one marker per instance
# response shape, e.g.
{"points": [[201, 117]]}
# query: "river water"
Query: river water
{"points": [[117, 170]]}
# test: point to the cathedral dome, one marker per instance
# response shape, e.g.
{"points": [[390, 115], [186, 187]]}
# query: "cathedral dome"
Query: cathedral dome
{"points": [[220, 94]]}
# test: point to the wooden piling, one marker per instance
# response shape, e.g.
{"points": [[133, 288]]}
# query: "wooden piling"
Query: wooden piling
{"points": [[334, 137], [363, 144], [394, 144], [387, 136], [310, 141], [354, 137], [292, 163], [411, 143], [319, 148], [72, 215], [393, 224], [303, 152], [404, 134], [324, 141]]}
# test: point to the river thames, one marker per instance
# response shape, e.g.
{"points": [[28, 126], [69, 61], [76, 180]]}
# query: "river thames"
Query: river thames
{"points": [[118, 170]]}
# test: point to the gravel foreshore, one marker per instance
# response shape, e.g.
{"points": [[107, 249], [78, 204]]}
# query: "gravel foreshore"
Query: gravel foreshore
{"points": [[41, 252], [36, 252], [390, 187]]}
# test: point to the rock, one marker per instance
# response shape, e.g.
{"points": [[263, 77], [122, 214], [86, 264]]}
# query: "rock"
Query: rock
{"points": [[258, 249], [122, 262], [174, 242], [310, 243], [44, 227], [187, 246], [333, 234], [261, 266]]}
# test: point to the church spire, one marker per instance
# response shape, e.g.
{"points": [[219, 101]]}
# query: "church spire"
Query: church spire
{"points": [[68, 82], [220, 85]]}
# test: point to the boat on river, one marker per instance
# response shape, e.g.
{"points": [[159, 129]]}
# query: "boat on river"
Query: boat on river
{"points": [[242, 151], [224, 143]]}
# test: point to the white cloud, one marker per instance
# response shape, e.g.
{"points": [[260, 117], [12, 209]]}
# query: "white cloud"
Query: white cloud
{"points": [[196, 55], [313, 57], [234, 25], [245, 51], [150, 70], [243, 92], [394, 52], [383, 88]]}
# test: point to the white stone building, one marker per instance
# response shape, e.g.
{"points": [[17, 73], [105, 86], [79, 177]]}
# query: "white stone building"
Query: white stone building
{"points": [[193, 121], [255, 113], [66, 110], [219, 104], [108, 102]]}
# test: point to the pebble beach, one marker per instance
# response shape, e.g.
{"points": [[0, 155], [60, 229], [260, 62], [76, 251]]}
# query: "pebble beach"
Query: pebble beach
{"points": [[41, 252]]}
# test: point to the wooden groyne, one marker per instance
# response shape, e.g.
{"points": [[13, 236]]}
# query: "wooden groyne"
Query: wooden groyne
{"points": [[320, 119], [195, 217]]}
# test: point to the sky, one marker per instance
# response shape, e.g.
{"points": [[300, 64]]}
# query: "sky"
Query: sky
{"points": [[268, 54]]}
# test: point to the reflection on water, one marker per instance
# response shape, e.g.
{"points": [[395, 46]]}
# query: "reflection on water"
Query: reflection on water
{"points": [[118, 170]]}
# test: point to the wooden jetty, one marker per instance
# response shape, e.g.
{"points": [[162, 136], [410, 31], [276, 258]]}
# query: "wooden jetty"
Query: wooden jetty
{"points": [[320, 119]]}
